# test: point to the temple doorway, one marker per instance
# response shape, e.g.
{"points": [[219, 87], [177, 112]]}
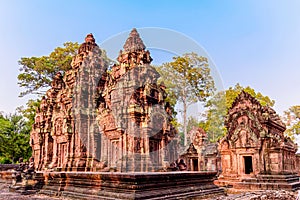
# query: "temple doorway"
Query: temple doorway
{"points": [[114, 152], [154, 151], [195, 164], [248, 164]]}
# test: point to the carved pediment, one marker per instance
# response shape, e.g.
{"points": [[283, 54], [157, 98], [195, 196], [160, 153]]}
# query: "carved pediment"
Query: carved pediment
{"points": [[244, 137], [191, 149], [198, 136], [245, 101], [107, 122], [243, 119]]}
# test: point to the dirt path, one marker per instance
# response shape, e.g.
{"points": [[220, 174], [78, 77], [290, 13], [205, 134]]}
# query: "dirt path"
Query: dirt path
{"points": [[6, 195], [259, 195]]}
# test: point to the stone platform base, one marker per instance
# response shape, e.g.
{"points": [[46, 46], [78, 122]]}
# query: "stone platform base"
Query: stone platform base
{"points": [[6, 176], [262, 182], [114, 185]]}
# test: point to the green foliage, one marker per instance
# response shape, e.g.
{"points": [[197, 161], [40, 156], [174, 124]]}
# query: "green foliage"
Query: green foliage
{"points": [[188, 80], [218, 107], [214, 124], [30, 110], [292, 121], [37, 72], [181, 137], [232, 93], [5, 160], [14, 138]]}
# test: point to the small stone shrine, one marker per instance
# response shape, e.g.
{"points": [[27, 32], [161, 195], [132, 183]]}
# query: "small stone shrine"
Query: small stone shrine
{"points": [[255, 154], [201, 155]]}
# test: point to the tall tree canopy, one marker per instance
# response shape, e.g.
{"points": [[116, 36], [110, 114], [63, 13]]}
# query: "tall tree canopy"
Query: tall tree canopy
{"points": [[37, 72], [188, 80], [292, 121], [219, 105]]}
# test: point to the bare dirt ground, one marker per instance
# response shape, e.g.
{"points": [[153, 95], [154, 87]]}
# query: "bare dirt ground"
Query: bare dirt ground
{"points": [[257, 195], [261, 195], [6, 195]]}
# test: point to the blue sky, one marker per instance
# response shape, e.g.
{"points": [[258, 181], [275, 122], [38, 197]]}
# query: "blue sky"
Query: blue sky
{"points": [[253, 43]]}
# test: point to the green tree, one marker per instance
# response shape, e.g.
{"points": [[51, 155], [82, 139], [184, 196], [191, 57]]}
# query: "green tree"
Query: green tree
{"points": [[188, 80], [218, 107], [29, 111], [14, 137], [292, 121], [215, 116], [37, 72]]}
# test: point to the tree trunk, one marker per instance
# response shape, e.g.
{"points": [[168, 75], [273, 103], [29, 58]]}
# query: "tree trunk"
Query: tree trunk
{"points": [[184, 100], [185, 121]]}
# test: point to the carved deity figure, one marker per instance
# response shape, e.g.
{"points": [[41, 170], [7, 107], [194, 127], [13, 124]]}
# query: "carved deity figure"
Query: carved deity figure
{"points": [[57, 83], [25, 171], [43, 105], [181, 165]]}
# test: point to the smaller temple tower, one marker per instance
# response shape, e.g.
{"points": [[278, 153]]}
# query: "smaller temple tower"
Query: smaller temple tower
{"points": [[255, 153], [64, 135]]}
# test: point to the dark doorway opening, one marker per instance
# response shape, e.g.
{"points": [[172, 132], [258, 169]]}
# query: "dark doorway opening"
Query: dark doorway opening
{"points": [[195, 165], [248, 164]]}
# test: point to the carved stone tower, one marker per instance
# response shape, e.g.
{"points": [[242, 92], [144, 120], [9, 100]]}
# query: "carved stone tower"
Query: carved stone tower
{"points": [[139, 132], [98, 119]]}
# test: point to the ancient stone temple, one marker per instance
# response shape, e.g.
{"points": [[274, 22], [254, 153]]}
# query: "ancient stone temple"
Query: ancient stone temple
{"points": [[104, 132], [255, 154], [201, 155], [94, 119]]}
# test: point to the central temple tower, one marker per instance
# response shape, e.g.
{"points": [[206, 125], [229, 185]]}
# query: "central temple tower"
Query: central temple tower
{"points": [[133, 114]]}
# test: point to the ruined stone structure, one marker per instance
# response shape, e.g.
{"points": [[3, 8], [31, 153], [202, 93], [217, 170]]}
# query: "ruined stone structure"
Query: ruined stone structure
{"points": [[255, 154], [202, 155], [95, 119]]}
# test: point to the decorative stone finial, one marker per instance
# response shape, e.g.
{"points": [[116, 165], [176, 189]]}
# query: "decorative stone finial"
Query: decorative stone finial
{"points": [[88, 45], [134, 51], [90, 38], [134, 43]]}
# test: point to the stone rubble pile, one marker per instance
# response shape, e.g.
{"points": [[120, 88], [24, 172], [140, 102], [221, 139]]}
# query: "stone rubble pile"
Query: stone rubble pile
{"points": [[262, 195], [275, 195]]}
